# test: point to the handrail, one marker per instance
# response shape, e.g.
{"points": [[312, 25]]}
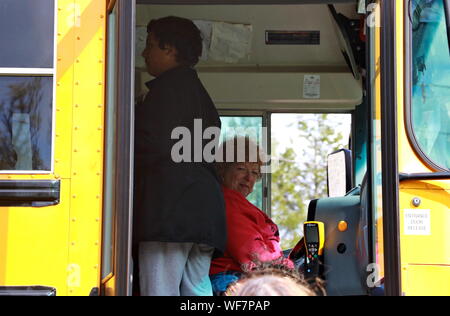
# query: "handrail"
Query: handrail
{"points": [[425, 176], [111, 5]]}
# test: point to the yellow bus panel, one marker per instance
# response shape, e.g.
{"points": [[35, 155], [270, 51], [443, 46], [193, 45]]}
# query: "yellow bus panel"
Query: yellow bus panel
{"points": [[60, 246]]}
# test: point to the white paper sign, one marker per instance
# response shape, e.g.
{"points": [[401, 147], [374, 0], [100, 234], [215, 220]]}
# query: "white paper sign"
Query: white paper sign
{"points": [[205, 28], [230, 42], [417, 222], [311, 87]]}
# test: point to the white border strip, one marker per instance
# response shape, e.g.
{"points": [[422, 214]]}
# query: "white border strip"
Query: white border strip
{"points": [[55, 58], [27, 71]]}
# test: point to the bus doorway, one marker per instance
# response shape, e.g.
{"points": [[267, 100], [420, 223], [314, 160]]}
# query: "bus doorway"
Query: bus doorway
{"points": [[263, 59]]}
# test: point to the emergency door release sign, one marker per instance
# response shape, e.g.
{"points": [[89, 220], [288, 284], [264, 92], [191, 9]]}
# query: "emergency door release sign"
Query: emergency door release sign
{"points": [[417, 222]]}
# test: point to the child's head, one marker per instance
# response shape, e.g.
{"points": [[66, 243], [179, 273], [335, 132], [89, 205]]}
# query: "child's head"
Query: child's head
{"points": [[269, 281]]}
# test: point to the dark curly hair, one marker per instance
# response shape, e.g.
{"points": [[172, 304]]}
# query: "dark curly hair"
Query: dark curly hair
{"points": [[180, 33]]}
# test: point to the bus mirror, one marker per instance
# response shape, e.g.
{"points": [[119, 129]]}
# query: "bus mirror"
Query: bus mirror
{"points": [[339, 173], [447, 20]]}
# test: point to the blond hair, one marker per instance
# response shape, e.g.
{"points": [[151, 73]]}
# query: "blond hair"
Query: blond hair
{"points": [[269, 281], [239, 149]]}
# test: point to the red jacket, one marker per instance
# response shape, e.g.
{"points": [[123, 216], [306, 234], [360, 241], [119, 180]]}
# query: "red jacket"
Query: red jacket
{"points": [[251, 235]]}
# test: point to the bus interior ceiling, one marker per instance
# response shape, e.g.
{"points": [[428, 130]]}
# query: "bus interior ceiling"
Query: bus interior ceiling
{"points": [[242, 72]]}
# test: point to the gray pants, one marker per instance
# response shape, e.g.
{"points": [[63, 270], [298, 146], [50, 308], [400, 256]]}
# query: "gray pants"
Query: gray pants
{"points": [[174, 269]]}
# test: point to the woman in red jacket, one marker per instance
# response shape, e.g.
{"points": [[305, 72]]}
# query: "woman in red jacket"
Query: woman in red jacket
{"points": [[252, 237]]}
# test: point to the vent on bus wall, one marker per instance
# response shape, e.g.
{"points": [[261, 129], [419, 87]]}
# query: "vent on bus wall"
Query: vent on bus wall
{"points": [[292, 37]]}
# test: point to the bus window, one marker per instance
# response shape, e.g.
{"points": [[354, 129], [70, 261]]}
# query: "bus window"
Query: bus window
{"points": [[25, 123], [430, 106], [251, 126], [300, 146], [26, 33]]}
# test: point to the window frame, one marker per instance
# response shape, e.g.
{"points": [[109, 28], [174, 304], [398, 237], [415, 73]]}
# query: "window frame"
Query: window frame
{"points": [[265, 115], [267, 122], [41, 72], [389, 149]]}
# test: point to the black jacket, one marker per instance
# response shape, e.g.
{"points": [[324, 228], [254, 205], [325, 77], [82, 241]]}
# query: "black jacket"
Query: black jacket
{"points": [[175, 202]]}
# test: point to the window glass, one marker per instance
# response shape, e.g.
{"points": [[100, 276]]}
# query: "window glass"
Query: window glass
{"points": [[301, 144], [26, 123], [245, 126], [111, 148], [26, 33], [431, 80]]}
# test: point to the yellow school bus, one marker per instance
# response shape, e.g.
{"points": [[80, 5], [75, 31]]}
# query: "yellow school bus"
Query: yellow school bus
{"points": [[69, 74]]}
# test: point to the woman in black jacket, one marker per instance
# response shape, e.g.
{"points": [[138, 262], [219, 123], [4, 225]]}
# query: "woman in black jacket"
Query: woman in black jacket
{"points": [[179, 210]]}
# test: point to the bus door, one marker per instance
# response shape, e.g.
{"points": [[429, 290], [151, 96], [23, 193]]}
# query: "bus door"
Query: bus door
{"points": [[410, 146], [117, 267], [293, 65], [424, 150]]}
